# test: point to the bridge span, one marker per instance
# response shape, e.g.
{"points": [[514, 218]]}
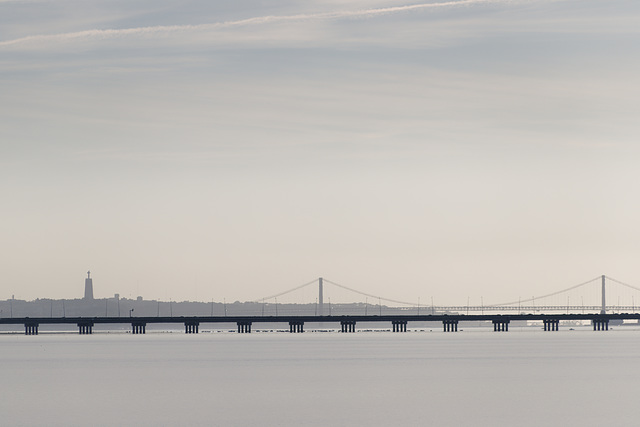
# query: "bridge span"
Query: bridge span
{"points": [[348, 323]]}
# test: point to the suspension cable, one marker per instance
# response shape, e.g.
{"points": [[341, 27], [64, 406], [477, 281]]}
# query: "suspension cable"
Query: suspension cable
{"points": [[369, 295], [548, 295], [623, 284], [286, 292]]}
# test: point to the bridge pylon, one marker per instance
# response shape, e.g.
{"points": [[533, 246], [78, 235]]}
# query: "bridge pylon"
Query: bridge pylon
{"points": [[604, 305], [320, 298]]}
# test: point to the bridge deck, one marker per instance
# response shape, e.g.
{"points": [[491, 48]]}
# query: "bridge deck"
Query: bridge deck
{"points": [[328, 319]]}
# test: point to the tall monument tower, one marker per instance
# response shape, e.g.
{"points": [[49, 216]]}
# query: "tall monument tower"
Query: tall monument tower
{"points": [[88, 287]]}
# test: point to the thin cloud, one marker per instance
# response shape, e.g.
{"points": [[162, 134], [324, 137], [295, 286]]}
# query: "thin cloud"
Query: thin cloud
{"points": [[96, 34]]}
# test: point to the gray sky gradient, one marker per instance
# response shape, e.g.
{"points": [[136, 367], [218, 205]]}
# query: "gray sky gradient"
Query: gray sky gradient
{"points": [[233, 149]]}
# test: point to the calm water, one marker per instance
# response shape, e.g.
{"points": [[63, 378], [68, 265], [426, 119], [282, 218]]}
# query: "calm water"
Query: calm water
{"points": [[472, 378]]}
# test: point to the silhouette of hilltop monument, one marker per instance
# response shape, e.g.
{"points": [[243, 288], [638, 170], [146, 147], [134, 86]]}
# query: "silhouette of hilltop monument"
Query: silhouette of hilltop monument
{"points": [[88, 287]]}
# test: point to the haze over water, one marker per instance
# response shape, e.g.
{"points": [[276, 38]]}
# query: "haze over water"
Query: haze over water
{"points": [[448, 152], [473, 378]]}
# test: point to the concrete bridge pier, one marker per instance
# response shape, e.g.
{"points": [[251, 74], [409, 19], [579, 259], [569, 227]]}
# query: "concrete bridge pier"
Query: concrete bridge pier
{"points": [[191, 327], [348, 325], [551, 324], [244, 327], [398, 325], [500, 325], [296, 327], [85, 328], [31, 329], [600, 324], [450, 325], [138, 328]]}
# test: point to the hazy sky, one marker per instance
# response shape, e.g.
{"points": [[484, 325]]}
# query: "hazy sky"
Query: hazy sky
{"points": [[232, 149]]}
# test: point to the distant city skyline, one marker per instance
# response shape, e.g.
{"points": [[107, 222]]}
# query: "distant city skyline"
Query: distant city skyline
{"points": [[463, 150]]}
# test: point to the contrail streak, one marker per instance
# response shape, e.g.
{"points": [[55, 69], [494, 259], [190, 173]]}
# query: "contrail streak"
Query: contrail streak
{"points": [[143, 31]]}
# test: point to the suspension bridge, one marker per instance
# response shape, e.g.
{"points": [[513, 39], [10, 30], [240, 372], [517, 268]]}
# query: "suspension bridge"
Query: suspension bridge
{"points": [[549, 315], [596, 297]]}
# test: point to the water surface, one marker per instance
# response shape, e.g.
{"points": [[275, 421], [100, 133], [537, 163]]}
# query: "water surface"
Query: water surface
{"points": [[471, 378]]}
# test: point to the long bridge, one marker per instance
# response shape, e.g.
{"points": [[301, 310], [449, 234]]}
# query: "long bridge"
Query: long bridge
{"points": [[500, 315], [296, 323]]}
